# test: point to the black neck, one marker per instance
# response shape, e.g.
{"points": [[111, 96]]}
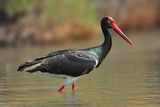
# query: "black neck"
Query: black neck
{"points": [[106, 46], [102, 50]]}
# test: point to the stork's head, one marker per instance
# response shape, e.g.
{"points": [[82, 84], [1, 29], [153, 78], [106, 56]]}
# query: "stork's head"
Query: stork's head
{"points": [[110, 23]]}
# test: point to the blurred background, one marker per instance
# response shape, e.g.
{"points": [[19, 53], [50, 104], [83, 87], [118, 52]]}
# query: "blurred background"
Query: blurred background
{"points": [[128, 77], [50, 22]]}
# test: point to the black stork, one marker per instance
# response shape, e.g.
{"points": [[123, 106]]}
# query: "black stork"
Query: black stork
{"points": [[73, 63]]}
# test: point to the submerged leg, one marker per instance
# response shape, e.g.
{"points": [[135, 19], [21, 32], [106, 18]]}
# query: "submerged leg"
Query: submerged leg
{"points": [[61, 88], [73, 87], [67, 81]]}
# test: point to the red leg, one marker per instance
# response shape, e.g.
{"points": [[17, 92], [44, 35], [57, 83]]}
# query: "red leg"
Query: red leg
{"points": [[73, 87], [61, 88]]}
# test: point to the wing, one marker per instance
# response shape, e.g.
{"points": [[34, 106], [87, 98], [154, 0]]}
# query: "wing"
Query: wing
{"points": [[38, 60], [73, 63], [53, 54]]}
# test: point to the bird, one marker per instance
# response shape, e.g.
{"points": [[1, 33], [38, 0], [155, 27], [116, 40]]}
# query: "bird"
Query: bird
{"points": [[73, 63]]}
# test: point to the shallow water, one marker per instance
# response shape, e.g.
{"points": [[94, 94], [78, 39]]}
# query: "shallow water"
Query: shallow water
{"points": [[128, 77]]}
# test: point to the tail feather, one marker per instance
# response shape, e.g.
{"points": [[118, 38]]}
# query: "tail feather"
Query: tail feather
{"points": [[30, 66]]}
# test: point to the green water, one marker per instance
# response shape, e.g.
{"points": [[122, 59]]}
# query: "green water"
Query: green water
{"points": [[128, 77]]}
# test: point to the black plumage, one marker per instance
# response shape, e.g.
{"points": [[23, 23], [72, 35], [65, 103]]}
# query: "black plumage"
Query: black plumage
{"points": [[66, 62], [75, 62]]}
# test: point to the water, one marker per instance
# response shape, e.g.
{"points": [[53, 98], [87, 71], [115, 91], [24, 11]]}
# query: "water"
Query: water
{"points": [[129, 77]]}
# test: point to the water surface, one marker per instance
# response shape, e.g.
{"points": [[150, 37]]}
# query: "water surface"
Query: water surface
{"points": [[128, 77]]}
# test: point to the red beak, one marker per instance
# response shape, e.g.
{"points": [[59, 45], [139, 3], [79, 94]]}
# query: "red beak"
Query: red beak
{"points": [[120, 33]]}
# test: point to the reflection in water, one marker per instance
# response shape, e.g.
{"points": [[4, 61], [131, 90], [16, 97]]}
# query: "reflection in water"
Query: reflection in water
{"points": [[127, 78], [72, 101]]}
